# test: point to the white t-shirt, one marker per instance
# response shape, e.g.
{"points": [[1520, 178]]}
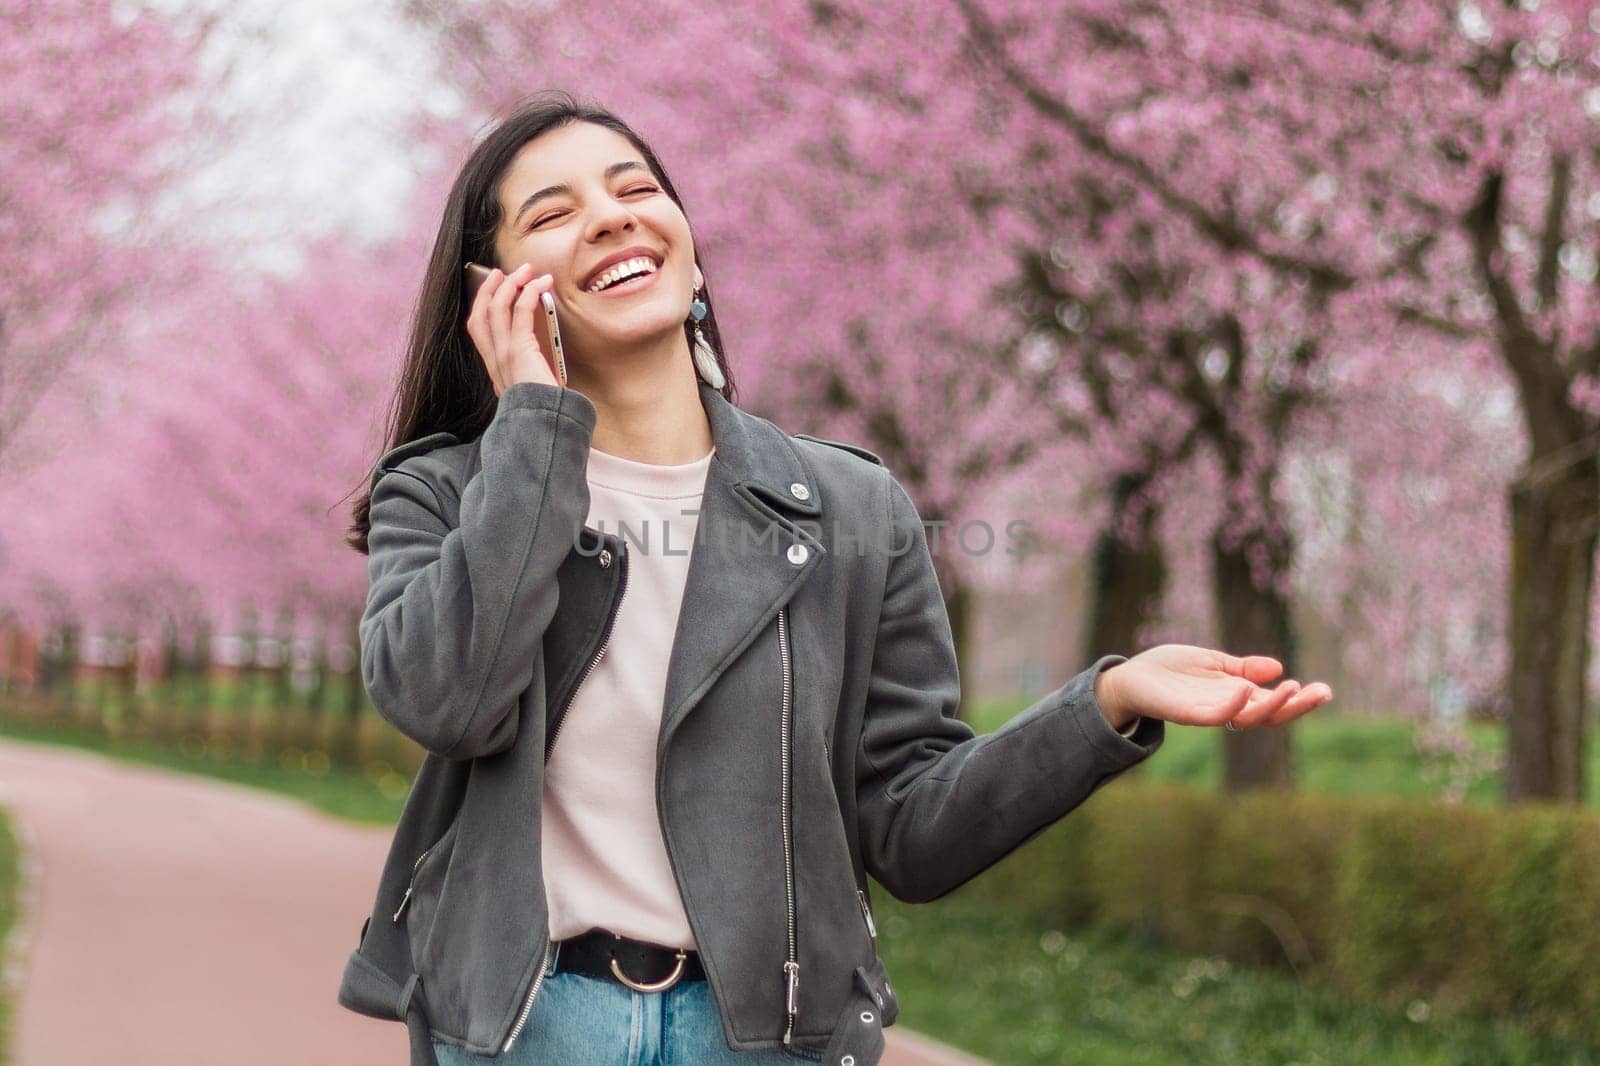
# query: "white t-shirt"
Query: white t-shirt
{"points": [[605, 863]]}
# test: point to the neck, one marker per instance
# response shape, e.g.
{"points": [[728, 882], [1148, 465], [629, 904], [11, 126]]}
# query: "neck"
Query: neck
{"points": [[647, 408]]}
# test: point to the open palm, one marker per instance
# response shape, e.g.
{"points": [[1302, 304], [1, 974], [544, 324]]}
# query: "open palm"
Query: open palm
{"points": [[1199, 686]]}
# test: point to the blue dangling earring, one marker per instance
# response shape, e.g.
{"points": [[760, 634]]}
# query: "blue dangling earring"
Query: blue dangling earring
{"points": [[705, 360]]}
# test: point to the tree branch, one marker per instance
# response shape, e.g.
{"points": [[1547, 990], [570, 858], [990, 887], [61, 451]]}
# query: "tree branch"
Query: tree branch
{"points": [[1224, 232], [1555, 211]]}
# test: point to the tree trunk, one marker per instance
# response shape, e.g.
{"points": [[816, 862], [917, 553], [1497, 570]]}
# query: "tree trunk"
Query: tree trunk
{"points": [[1555, 504], [202, 694], [242, 731], [345, 745], [1553, 540], [1254, 621], [126, 673], [959, 606], [1128, 580]]}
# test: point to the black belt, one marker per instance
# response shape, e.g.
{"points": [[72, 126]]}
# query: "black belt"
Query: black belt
{"points": [[641, 966]]}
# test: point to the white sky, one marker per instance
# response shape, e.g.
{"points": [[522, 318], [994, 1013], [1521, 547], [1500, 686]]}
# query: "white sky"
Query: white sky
{"points": [[317, 95]]}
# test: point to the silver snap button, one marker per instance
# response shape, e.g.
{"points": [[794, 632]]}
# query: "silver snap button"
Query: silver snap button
{"points": [[798, 553], [799, 491], [866, 1016], [605, 558], [848, 1060]]}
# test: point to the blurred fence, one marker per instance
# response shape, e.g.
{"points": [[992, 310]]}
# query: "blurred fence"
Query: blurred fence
{"points": [[252, 694]]}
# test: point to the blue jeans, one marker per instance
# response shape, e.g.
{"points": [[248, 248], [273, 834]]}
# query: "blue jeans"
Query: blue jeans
{"points": [[588, 1021]]}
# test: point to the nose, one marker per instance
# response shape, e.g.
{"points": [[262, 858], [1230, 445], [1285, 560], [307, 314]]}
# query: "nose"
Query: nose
{"points": [[610, 218]]}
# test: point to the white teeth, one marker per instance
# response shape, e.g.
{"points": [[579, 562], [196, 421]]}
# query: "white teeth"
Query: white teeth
{"points": [[642, 264]]}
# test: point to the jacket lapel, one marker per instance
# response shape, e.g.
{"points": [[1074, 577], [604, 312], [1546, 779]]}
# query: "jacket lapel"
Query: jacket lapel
{"points": [[749, 556]]}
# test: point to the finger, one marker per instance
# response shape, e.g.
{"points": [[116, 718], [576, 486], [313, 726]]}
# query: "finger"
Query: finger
{"points": [[1306, 700], [1260, 668], [1228, 709], [522, 313], [486, 291], [477, 323], [1264, 703], [504, 296], [478, 328], [478, 316], [500, 310]]}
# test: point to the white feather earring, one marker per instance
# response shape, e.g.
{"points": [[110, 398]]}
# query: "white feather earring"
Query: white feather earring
{"points": [[705, 359]]}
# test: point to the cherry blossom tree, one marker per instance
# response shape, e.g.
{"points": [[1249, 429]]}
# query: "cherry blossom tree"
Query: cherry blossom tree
{"points": [[1405, 168], [1230, 286], [1463, 139], [87, 88], [1148, 246], [215, 489]]}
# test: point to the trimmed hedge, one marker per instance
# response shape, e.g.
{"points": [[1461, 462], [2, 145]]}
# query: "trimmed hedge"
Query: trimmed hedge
{"points": [[1469, 909]]}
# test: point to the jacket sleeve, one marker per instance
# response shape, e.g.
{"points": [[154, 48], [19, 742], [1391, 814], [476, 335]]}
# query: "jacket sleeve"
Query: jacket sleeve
{"points": [[938, 805], [456, 615]]}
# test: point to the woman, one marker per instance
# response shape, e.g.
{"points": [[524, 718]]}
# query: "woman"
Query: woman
{"points": [[749, 724]]}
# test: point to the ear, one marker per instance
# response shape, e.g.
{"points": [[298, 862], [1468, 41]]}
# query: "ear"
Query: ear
{"points": [[699, 278]]}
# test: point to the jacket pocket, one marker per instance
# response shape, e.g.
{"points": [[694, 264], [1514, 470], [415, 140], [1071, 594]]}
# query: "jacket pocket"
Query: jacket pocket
{"points": [[419, 906], [866, 918], [858, 1032]]}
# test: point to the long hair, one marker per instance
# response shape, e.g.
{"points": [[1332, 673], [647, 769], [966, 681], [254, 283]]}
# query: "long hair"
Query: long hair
{"points": [[444, 385]]}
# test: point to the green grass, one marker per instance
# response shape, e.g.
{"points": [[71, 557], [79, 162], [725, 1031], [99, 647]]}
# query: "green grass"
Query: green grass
{"points": [[226, 693], [1052, 997], [1335, 754], [374, 795], [10, 878]]}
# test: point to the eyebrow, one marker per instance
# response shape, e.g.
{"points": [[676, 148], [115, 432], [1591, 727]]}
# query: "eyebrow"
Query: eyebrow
{"points": [[555, 190]]}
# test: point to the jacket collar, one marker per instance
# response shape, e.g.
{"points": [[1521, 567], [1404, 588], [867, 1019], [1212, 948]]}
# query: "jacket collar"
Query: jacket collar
{"points": [[758, 457]]}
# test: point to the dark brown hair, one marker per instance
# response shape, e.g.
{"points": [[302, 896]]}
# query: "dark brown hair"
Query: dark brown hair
{"points": [[443, 383]]}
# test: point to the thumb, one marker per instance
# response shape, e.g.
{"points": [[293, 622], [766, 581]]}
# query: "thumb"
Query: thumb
{"points": [[1257, 668]]}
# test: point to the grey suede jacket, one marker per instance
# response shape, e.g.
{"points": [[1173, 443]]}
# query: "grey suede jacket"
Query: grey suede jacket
{"points": [[807, 737]]}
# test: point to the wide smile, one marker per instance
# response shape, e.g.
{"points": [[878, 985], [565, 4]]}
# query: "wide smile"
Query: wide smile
{"points": [[629, 287]]}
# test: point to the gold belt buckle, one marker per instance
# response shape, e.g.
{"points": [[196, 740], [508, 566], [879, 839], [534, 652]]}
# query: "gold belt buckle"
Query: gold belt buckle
{"points": [[658, 986]]}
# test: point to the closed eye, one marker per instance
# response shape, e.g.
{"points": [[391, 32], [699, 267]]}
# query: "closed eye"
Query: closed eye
{"points": [[542, 219]]}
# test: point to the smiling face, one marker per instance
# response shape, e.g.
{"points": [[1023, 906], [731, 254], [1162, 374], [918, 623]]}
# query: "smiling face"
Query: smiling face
{"points": [[574, 199]]}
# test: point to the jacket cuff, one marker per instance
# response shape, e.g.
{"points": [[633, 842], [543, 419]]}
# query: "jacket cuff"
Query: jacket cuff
{"points": [[1144, 734], [539, 396]]}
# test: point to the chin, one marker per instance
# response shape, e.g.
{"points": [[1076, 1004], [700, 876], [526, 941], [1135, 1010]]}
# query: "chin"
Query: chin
{"points": [[638, 336]]}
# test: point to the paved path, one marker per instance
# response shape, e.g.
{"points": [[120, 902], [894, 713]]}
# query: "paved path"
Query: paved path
{"points": [[172, 920]]}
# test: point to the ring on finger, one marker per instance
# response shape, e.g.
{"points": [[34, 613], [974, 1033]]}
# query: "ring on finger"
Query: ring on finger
{"points": [[1230, 727]]}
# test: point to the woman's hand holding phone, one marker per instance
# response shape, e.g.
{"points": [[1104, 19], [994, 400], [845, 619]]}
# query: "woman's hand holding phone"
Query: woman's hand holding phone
{"points": [[501, 325]]}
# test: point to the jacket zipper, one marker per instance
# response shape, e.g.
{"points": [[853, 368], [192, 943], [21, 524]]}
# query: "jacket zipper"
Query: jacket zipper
{"points": [[605, 642], [405, 899], [527, 1006], [791, 965]]}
